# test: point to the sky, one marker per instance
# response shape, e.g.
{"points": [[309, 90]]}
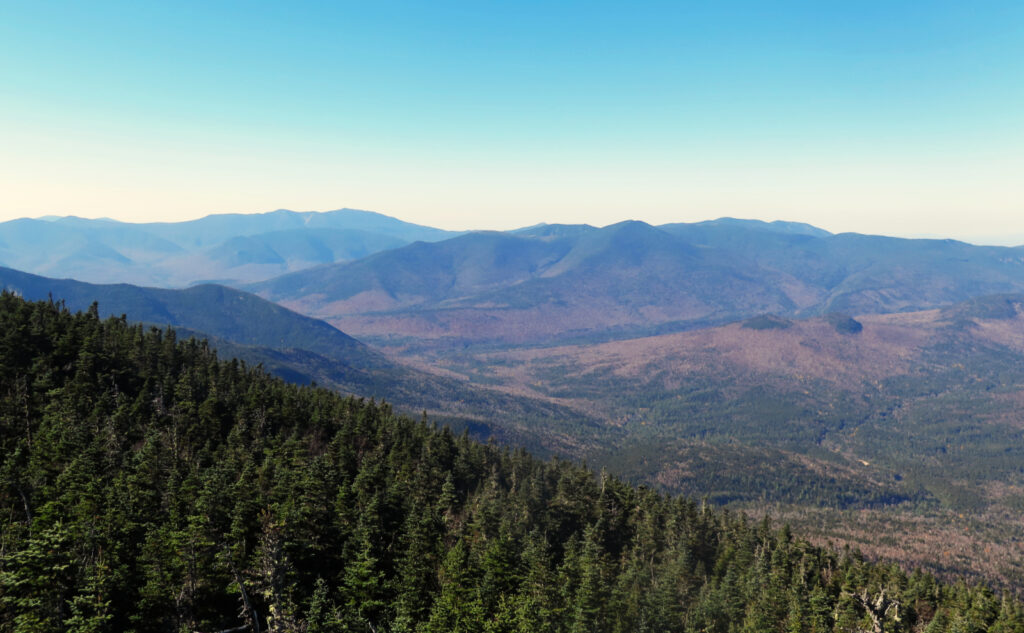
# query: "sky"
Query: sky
{"points": [[888, 117]]}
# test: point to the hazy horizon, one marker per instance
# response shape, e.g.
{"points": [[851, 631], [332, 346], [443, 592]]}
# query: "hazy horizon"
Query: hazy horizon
{"points": [[980, 240], [892, 118]]}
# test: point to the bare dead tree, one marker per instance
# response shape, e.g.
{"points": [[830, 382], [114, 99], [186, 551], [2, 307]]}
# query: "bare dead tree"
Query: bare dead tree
{"points": [[878, 608], [246, 611]]}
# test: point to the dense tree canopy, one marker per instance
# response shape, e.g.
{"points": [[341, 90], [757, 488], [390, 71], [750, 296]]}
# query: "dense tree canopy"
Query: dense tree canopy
{"points": [[147, 486]]}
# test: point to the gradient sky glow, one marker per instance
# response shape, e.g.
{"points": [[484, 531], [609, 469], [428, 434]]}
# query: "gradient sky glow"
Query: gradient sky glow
{"points": [[891, 117]]}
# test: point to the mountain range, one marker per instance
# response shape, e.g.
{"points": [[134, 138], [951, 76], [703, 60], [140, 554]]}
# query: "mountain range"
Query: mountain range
{"points": [[550, 284], [775, 367], [224, 248]]}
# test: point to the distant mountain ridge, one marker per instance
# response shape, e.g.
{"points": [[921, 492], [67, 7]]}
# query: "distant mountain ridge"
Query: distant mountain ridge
{"points": [[383, 278], [392, 282], [225, 248], [483, 286], [550, 283]]}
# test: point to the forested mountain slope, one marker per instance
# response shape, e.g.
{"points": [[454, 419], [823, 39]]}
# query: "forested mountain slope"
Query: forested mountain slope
{"points": [[213, 309], [303, 350], [147, 486]]}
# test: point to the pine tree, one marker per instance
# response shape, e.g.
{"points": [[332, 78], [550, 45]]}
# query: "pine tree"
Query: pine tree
{"points": [[458, 607], [90, 609], [363, 585], [36, 580], [591, 596], [322, 615]]}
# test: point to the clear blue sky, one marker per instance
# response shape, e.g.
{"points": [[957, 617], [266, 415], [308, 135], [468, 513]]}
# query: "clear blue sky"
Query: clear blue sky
{"points": [[883, 117]]}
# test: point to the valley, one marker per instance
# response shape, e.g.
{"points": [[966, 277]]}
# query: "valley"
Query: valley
{"points": [[912, 421]]}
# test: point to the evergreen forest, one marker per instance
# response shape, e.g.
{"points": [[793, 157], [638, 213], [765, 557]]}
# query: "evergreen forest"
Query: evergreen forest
{"points": [[146, 485]]}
